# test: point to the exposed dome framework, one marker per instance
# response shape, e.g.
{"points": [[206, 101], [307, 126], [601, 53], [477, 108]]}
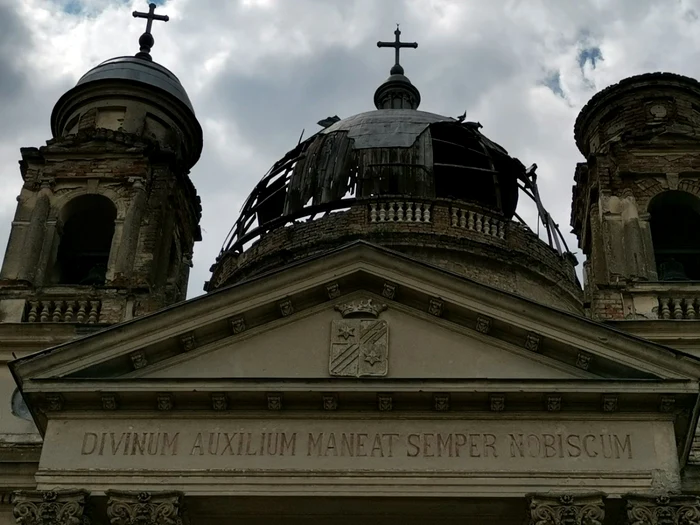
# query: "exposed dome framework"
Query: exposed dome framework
{"points": [[382, 153]]}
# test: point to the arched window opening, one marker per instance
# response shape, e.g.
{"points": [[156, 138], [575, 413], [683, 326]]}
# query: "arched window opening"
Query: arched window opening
{"points": [[675, 232], [86, 239]]}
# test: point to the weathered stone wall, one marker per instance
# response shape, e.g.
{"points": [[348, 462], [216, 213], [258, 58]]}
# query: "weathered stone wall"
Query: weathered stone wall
{"points": [[640, 139], [509, 257]]}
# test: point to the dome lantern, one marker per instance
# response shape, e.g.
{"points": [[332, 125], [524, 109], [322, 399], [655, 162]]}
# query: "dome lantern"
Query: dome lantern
{"points": [[397, 92]]}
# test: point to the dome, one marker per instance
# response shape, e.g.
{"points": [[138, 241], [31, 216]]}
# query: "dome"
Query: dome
{"points": [[427, 186], [134, 95], [378, 153]]}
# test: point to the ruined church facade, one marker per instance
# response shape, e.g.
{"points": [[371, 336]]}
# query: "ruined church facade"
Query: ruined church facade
{"points": [[382, 338]]}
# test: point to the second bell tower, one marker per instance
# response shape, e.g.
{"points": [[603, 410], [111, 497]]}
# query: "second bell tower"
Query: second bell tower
{"points": [[107, 217]]}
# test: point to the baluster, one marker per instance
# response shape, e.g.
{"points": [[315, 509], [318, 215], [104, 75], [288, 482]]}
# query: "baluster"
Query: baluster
{"points": [[689, 308], [665, 309], [373, 212], [470, 222], [486, 226], [409, 211], [390, 212], [33, 311], [44, 314], [677, 309], [70, 310], [463, 218], [57, 313], [478, 222], [382, 212], [399, 211], [82, 311], [501, 230], [426, 213], [455, 219], [94, 307], [419, 211], [494, 227]]}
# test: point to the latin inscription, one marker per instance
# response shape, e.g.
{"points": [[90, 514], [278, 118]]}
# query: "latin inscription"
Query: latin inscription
{"points": [[607, 445]]}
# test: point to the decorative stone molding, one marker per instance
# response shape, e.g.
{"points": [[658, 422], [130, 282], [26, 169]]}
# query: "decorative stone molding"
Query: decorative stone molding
{"points": [[667, 404], [553, 403], [483, 324], [144, 508], [389, 290], [219, 402], [361, 308], [663, 510], [441, 402], [165, 402], [188, 342], [609, 403], [54, 402], [60, 507], [274, 401], [138, 359], [583, 361], [385, 403], [286, 307], [330, 402], [435, 307], [566, 509], [238, 325], [498, 403], [109, 402], [333, 290], [532, 342]]}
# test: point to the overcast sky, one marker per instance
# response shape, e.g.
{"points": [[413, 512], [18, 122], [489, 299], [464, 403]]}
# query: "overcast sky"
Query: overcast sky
{"points": [[260, 71]]}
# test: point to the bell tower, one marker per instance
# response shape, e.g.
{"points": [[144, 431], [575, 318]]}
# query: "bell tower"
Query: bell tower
{"points": [[636, 202], [107, 216]]}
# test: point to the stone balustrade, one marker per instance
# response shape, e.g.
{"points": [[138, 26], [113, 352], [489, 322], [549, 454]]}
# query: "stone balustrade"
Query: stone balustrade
{"points": [[673, 300], [399, 211], [62, 311], [679, 307], [478, 222]]}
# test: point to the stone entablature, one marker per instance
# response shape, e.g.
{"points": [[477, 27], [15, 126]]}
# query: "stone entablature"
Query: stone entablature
{"points": [[458, 236]]}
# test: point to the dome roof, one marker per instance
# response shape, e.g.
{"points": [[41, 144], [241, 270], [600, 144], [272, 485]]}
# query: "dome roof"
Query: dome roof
{"points": [[136, 69], [403, 152]]}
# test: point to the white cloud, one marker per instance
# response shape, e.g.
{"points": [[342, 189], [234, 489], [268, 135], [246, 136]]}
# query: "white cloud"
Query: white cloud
{"points": [[258, 71]]}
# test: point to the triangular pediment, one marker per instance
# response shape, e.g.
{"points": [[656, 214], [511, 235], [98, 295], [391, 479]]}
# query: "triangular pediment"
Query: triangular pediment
{"points": [[279, 326], [400, 343]]}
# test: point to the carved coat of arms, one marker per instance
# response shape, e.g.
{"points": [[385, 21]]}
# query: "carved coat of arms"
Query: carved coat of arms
{"points": [[360, 341]]}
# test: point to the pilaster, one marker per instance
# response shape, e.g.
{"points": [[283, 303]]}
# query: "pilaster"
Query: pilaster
{"points": [[61, 507], [567, 509], [144, 508]]}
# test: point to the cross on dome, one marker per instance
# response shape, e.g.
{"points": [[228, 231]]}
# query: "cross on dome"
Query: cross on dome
{"points": [[146, 40], [397, 45]]}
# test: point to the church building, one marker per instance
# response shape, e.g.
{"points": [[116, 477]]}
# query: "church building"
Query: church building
{"points": [[383, 339]]}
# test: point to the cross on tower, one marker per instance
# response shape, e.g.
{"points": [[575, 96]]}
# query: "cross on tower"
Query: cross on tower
{"points": [[146, 40], [397, 45]]}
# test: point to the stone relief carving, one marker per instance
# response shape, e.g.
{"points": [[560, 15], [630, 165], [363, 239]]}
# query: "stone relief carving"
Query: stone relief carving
{"points": [[663, 510], [567, 509], [144, 508], [61, 507], [360, 341]]}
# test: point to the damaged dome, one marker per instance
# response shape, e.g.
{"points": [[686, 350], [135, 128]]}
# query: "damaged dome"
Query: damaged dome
{"points": [[385, 152]]}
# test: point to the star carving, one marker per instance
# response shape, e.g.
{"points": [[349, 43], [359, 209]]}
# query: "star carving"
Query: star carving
{"points": [[346, 332], [373, 358]]}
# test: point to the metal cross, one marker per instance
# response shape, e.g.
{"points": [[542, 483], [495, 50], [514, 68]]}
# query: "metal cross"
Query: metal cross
{"points": [[150, 16], [397, 45]]}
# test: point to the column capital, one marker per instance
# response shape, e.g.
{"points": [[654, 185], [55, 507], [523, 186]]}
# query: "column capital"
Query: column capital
{"points": [[144, 508], [676, 509], [50, 507], [567, 509]]}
